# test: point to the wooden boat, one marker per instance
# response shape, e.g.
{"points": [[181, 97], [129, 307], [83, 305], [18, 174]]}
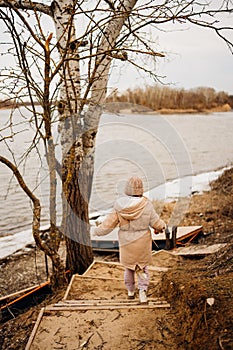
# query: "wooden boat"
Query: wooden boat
{"points": [[173, 237]]}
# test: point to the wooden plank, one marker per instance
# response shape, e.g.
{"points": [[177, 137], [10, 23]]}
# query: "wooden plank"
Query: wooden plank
{"points": [[35, 328], [89, 268], [104, 269], [22, 291], [83, 277], [184, 232], [105, 250], [69, 287], [115, 303], [108, 307], [110, 301], [14, 301], [114, 263], [105, 305], [198, 250]]}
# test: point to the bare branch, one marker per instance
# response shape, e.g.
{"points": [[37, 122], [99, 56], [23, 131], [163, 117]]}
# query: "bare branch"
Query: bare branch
{"points": [[27, 25], [36, 216], [27, 5], [21, 182], [218, 31]]}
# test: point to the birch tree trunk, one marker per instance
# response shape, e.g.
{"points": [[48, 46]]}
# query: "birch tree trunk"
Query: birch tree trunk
{"points": [[78, 138], [75, 225]]}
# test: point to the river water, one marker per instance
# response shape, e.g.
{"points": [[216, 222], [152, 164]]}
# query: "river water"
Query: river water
{"points": [[157, 148]]}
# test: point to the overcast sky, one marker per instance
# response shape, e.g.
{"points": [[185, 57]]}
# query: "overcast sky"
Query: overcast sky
{"points": [[194, 57]]}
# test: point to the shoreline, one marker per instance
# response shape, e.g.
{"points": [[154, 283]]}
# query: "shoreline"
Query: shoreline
{"points": [[132, 109], [145, 110], [21, 242]]}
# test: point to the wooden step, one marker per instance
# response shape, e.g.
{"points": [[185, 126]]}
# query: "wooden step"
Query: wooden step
{"points": [[107, 304]]}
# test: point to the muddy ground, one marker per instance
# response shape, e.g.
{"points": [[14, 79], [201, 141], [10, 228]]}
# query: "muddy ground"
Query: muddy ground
{"points": [[200, 291]]}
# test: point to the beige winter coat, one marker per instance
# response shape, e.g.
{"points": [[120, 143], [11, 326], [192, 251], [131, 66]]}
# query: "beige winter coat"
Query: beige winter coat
{"points": [[134, 215]]}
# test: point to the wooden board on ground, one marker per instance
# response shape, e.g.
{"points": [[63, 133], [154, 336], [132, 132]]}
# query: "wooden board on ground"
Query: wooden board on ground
{"points": [[100, 329], [108, 303], [198, 249]]}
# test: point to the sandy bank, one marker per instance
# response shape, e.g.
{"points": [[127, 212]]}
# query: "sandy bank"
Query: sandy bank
{"points": [[144, 110]]}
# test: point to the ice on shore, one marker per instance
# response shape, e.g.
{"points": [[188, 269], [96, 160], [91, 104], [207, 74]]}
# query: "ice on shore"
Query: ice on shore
{"points": [[183, 187], [12, 243]]}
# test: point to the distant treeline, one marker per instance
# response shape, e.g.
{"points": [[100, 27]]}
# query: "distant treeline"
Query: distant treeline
{"points": [[158, 98]]}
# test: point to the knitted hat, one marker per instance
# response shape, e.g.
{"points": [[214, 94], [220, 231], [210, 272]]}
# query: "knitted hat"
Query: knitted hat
{"points": [[134, 187]]}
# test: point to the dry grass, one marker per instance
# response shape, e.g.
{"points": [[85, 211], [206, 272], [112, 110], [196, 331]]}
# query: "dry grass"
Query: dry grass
{"points": [[167, 100]]}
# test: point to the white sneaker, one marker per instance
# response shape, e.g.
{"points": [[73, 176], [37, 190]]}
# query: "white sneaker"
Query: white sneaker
{"points": [[142, 296], [131, 295]]}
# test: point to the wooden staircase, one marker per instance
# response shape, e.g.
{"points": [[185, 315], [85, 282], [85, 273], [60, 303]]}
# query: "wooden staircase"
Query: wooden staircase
{"points": [[95, 313]]}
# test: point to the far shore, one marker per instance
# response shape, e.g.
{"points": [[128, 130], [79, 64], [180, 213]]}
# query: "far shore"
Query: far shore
{"points": [[137, 109], [141, 110]]}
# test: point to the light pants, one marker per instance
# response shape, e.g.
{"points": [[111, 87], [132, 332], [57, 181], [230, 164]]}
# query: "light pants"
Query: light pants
{"points": [[143, 279]]}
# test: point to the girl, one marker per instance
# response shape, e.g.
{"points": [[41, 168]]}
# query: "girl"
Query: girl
{"points": [[134, 214]]}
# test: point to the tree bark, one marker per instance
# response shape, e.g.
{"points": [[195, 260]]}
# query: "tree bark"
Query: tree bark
{"points": [[77, 228]]}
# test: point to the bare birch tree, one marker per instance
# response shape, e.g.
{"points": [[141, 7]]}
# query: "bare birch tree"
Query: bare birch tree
{"points": [[65, 70]]}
